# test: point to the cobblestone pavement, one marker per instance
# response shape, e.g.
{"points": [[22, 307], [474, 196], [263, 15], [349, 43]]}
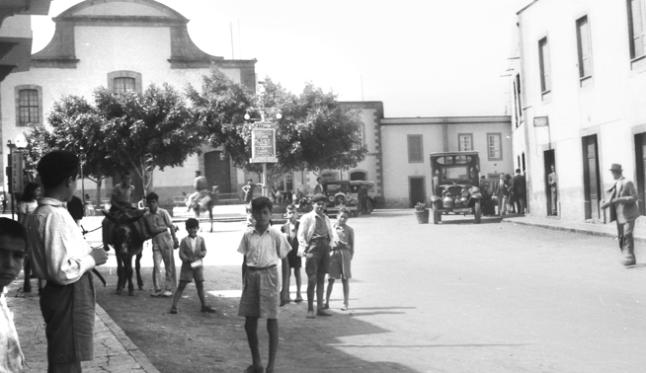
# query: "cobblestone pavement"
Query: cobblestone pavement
{"points": [[114, 352]]}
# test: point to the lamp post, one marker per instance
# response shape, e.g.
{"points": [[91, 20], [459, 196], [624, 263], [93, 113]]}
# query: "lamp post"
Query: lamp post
{"points": [[82, 177], [9, 169]]}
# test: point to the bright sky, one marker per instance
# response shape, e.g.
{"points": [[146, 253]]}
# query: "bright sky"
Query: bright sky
{"points": [[419, 57]]}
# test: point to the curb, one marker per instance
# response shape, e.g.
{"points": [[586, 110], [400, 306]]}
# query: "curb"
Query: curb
{"points": [[566, 228], [128, 345]]}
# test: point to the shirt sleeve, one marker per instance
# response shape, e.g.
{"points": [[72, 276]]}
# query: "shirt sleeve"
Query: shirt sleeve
{"points": [[61, 244], [302, 231], [285, 247], [242, 248]]}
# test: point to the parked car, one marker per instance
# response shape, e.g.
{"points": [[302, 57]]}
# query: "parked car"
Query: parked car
{"points": [[455, 184], [339, 194]]}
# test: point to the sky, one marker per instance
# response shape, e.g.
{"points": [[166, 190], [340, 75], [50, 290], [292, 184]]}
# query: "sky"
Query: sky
{"points": [[418, 57]]}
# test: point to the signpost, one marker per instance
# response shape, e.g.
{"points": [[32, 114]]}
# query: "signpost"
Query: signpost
{"points": [[263, 148]]}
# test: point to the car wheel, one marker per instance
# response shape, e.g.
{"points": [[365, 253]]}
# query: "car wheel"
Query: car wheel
{"points": [[477, 211]]}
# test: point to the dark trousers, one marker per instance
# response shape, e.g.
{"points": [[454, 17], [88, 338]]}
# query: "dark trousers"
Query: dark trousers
{"points": [[627, 241], [68, 311]]}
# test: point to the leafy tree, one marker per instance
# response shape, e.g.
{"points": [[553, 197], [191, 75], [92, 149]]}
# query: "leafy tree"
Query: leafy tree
{"points": [[147, 130], [314, 132], [76, 126]]}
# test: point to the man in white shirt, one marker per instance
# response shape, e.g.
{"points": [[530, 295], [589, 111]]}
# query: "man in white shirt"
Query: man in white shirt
{"points": [[60, 255]]}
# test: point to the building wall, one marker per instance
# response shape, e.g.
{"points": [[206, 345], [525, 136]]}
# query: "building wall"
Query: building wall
{"points": [[611, 104], [438, 135], [106, 47]]}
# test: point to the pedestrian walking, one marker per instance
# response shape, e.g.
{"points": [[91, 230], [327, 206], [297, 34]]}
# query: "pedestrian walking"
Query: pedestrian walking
{"points": [[27, 205], [192, 251], [263, 248], [315, 234], [60, 255], [13, 247], [247, 191], [292, 261], [341, 258], [623, 210], [164, 240]]}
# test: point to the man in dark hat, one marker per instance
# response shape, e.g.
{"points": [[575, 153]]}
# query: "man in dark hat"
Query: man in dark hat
{"points": [[624, 210]]}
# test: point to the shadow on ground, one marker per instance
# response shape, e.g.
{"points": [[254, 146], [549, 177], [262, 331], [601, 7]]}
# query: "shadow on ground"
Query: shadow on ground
{"points": [[191, 341]]}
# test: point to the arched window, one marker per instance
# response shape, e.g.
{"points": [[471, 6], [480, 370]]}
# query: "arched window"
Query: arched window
{"points": [[28, 105], [124, 81]]}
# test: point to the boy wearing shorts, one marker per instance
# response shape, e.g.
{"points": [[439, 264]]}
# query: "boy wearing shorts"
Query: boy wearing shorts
{"points": [[191, 250], [263, 248], [290, 230]]}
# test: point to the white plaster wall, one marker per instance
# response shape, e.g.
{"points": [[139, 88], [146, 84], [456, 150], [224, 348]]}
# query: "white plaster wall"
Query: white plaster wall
{"points": [[102, 50], [612, 104], [397, 169], [16, 27]]}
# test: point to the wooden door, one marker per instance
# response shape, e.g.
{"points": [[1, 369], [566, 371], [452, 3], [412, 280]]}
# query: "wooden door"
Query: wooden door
{"points": [[640, 166], [417, 190], [591, 180], [217, 170]]}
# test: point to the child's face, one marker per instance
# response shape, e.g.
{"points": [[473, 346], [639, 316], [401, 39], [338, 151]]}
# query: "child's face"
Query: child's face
{"points": [[291, 215], [12, 252], [153, 204], [192, 232], [342, 218], [262, 217]]}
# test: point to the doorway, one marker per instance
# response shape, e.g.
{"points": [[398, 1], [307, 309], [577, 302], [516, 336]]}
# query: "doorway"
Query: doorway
{"points": [[551, 183], [591, 182], [640, 166], [217, 170], [417, 190]]}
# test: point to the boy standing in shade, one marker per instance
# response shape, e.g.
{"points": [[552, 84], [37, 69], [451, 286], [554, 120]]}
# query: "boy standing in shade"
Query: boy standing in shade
{"points": [[315, 234], [61, 256], [263, 248]]}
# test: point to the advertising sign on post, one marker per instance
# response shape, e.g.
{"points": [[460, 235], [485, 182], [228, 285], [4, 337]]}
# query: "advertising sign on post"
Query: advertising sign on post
{"points": [[263, 143]]}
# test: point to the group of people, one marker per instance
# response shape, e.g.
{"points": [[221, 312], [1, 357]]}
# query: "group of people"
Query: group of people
{"points": [[327, 248], [510, 193]]}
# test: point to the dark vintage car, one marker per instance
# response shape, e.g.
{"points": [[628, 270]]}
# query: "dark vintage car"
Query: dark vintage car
{"points": [[348, 194], [455, 185]]}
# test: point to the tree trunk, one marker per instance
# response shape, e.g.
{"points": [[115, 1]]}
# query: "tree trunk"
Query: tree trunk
{"points": [[99, 183]]}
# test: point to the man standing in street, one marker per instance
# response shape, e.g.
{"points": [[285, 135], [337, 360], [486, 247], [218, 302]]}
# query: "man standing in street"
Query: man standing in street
{"points": [[518, 192], [315, 234], [59, 254], [623, 209], [552, 181]]}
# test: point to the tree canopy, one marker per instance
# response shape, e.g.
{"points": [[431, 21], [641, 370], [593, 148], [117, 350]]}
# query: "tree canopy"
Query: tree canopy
{"points": [[314, 131]]}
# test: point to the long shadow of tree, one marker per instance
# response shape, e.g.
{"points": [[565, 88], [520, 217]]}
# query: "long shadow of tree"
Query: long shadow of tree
{"points": [[192, 342]]}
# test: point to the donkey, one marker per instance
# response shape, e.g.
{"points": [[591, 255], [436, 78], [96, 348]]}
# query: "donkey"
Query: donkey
{"points": [[127, 236]]}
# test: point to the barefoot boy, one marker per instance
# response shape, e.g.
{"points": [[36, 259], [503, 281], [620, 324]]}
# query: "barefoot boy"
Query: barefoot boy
{"points": [[262, 247], [191, 250]]}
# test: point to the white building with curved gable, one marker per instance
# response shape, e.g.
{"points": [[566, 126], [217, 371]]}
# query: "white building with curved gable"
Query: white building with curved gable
{"points": [[122, 45]]}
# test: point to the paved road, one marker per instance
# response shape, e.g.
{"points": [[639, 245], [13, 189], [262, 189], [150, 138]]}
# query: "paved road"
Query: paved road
{"points": [[456, 297]]}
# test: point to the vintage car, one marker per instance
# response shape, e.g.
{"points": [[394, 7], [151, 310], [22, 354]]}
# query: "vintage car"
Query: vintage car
{"points": [[339, 193], [455, 184]]}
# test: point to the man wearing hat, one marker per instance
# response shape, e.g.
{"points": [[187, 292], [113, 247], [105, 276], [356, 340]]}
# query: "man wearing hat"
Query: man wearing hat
{"points": [[623, 209], [315, 234]]}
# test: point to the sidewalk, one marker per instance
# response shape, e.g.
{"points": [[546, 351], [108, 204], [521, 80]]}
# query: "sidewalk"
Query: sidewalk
{"points": [[598, 229], [113, 351]]}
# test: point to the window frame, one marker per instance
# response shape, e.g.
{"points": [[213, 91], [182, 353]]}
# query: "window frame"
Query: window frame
{"points": [[124, 74], [631, 29], [584, 46], [494, 158], [545, 71], [412, 159], [39, 105], [466, 135]]}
